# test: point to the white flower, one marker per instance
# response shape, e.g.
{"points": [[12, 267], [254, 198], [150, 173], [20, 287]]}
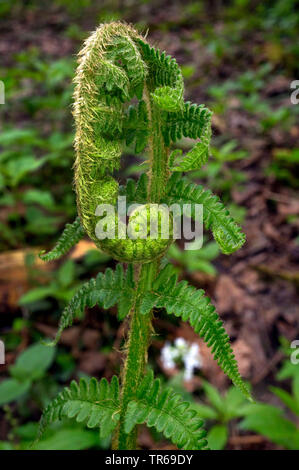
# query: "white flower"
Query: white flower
{"points": [[192, 360], [180, 343], [167, 356], [182, 350]]}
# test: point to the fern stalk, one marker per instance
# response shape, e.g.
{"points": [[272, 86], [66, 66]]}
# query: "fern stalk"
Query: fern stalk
{"points": [[140, 328]]}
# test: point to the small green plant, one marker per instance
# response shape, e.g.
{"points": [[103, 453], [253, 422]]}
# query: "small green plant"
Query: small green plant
{"points": [[269, 420], [127, 91], [283, 166], [199, 260], [221, 410]]}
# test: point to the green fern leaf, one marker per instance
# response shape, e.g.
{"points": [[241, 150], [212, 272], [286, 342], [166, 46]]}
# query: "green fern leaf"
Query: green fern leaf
{"points": [[191, 305], [194, 159], [164, 78], [216, 217], [126, 51], [70, 236], [168, 99], [194, 122], [191, 121], [95, 403], [163, 69], [107, 289], [168, 413], [136, 126]]}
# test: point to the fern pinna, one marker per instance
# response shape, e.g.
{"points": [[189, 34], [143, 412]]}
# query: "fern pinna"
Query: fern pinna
{"points": [[128, 92]]}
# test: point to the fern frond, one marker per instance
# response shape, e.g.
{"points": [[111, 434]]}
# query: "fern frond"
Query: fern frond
{"points": [[194, 122], [70, 236], [136, 126], [167, 98], [95, 403], [164, 78], [125, 50], [191, 305], [166, 411], [216, 217], [195, 158], [107, 289], [191, 121]]}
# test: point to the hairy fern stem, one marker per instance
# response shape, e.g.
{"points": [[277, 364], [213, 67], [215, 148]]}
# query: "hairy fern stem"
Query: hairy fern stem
{"points": [[140, 327], [140, 330]]}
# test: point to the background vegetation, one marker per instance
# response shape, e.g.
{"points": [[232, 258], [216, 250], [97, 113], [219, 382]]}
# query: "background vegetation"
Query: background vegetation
{"points": [[239, 58]]}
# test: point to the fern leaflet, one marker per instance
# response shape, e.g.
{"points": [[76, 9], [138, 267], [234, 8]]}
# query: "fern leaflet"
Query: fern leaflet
{"points": [[168, 413], [136, 126], [191, 305], [107, 289], [190, 121], [90, 401], [216, 217], [164, 77], [70, 236]]}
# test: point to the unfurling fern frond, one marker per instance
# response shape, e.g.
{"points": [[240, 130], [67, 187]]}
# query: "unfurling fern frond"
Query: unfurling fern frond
{"points": [[191, 305], [107, 289], [216, 217], [95, 403], [70, 236], [127, 92], [164, 78], [116, 66], [166, 411], [192, 121]]}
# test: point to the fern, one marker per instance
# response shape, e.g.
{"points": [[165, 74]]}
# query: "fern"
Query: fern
{"points": [[199, 154], [192, 121], [195, 158], [136, 126], [216, 217], [191, 305], [167, 413], [106, 290], [126, 51], [165, 78], [70, 236], [90, 401], [129, 93]]}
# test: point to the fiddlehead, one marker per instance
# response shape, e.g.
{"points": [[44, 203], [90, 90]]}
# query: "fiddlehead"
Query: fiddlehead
{"points": [[115, 66]]}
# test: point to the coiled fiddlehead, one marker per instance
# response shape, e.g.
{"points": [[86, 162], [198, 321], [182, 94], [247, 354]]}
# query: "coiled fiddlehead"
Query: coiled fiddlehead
{"points": [[116, 66]]}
